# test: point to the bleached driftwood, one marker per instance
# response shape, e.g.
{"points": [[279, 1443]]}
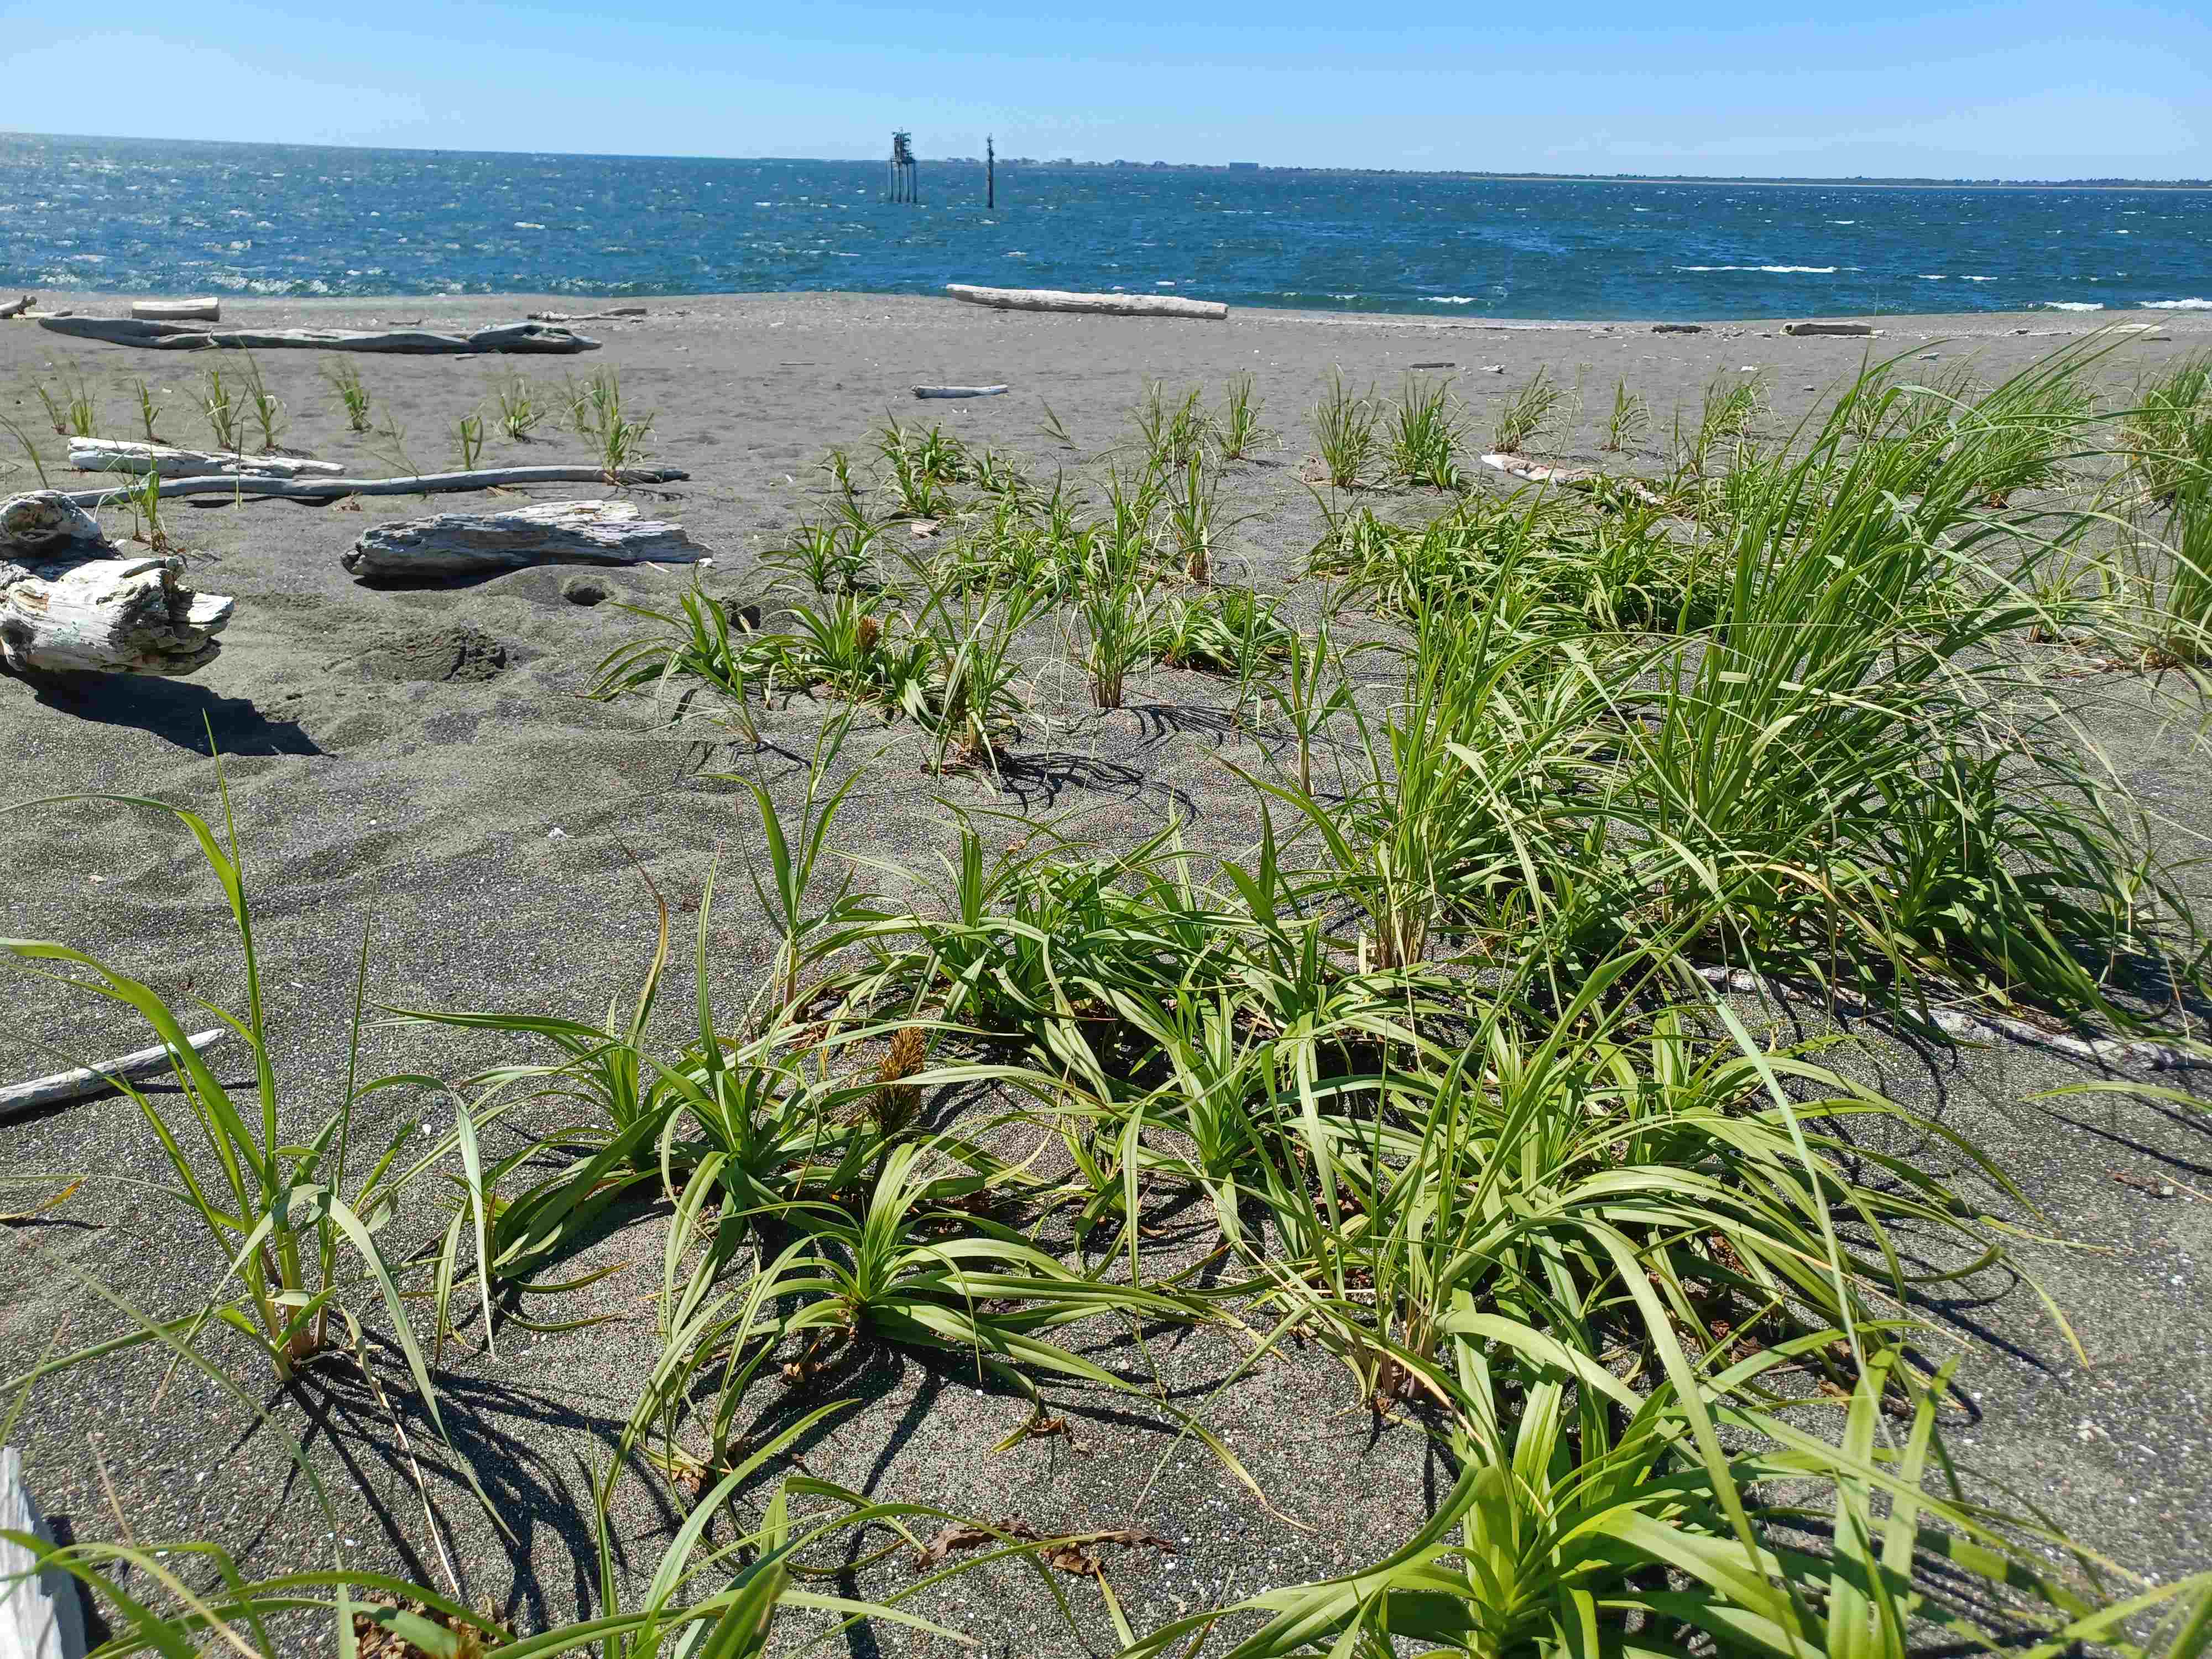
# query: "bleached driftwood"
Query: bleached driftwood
{"points": [[18, 307], [613, 315], [425, 484], [124, 455], [177, 311], [959, 391], [1097, 305], [1570, 477], [94, 1079], [39, 1615], [528, 338], [1853, 331], [71, 598], [549, 532]]}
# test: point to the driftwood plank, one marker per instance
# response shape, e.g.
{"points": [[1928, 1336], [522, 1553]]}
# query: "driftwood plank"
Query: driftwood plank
{"points": [[95, 1079], [618, 313], [123, 455], [426, 484], [1852, 331], [177, 311], [959, 391], [70, 599], [40, 1616], [1570, 477], [525, 337], [1097, 305], [550, 532]]}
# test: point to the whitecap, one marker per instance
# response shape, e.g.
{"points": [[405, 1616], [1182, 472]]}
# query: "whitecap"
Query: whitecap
{"points": [[2070, 305], [525, 224], [1450, 299], [2178, 305]]}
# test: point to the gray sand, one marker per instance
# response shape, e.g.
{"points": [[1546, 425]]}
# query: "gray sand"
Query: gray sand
{"points": [[419, 764]]}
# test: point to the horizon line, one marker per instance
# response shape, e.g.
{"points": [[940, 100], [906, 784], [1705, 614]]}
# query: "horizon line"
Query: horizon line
{"points": [[1498, 175]]}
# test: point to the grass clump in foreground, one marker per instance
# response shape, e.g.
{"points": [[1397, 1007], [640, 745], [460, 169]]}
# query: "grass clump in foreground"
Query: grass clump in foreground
{"points": [[1435, 1058]]}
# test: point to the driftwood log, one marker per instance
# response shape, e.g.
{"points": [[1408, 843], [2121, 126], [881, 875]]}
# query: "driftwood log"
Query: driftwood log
{"points": [[177, 311], [123, 455], [71, 598], [426, 484], [95, 1079], [618, 313], [39, 1615], [18, 307], [1097, 305], [1853, 331], [549, 532], [959, 391], [525, 337]]}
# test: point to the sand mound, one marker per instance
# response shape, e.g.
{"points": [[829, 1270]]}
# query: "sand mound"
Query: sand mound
{"points": [[457, 651]]}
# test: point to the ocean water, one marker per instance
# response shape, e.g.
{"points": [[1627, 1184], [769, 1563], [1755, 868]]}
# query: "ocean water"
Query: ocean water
{"points": [[274, 219]]}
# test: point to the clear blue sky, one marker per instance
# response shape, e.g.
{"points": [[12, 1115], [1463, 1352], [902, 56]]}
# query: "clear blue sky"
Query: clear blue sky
{"points": [[2039, 89]]}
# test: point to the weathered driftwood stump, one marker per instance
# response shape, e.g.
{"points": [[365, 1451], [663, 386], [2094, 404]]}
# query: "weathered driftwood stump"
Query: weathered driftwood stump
{"points": [[1097, 305], [527, 337], [122, 455], [551, 532], [18, 307], [71, 599]]}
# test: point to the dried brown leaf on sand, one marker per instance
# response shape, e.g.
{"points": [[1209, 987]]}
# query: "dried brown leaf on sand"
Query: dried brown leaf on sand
{"points": [[1067, 1553]]}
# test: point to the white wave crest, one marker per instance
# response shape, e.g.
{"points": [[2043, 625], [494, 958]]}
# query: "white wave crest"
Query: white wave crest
{"points": [[2070, 305], [1450, 299], [2178, 305], [1777, 271]]}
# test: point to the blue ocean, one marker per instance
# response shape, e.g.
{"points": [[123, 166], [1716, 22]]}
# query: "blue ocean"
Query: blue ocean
{"points": [[142, 215]]}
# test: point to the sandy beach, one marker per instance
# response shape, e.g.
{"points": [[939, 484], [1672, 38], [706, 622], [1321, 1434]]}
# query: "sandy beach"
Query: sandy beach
{"points": [[497, 838]]}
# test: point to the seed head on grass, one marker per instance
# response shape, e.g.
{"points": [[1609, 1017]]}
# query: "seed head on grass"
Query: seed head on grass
{"points": [[896, 1103]]}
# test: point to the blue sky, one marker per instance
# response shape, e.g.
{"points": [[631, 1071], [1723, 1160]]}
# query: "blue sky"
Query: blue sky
{"points": [[2031, 90]]}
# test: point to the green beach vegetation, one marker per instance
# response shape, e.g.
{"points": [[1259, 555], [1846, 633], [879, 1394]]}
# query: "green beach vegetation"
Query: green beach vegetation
{"points": [[1446, 1059]]}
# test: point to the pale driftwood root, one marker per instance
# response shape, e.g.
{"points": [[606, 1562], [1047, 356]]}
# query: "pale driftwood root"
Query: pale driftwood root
{"points": [[122, 455], [1096, 305], [550, 532], [1570, 477], [177, 311], [523, 337], [960, 390], [39, 1615], [618, 313], [18, 307], [245, 485], [1975, 1028], [99, 1079], [1847, 331], [71, 600]]}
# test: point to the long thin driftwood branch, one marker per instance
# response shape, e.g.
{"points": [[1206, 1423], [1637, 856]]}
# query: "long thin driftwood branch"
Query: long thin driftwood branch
{"points": [[96, 1079], [426, 484]]}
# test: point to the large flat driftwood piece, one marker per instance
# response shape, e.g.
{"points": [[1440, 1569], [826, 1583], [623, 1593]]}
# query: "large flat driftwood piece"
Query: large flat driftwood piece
{"points": [[426, 484], [549, 532], [40, 1616], [70, 599], [960, 391], [525, 337], [1097, 305], [124, 455], [96, 1079]]}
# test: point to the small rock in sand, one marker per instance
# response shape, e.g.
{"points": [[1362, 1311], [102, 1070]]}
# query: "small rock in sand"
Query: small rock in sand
{"points": [[457, 651]]}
